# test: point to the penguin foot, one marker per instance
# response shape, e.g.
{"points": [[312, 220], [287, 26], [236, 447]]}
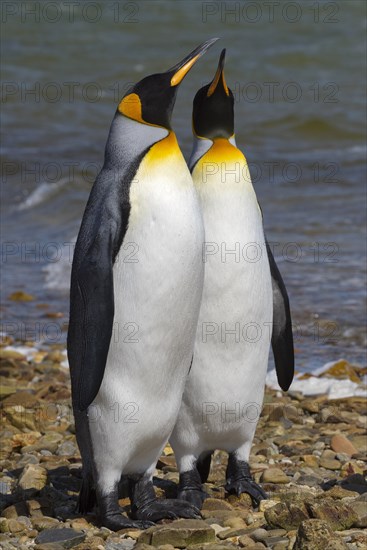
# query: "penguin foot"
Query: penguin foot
{"points": [[193, 496], [116, 522], [239, 480], [145, 505], [166, 509], [248, 486], [190, 488], [110, 513]]}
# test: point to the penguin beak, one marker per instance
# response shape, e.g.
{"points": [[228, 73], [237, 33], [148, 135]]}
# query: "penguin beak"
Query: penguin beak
{"points": [[180, 70], [219, 77]]}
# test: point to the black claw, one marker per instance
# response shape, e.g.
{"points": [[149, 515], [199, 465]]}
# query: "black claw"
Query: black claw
{"points": [[167, 509], [248, 486], [145, 505], [239, 480], [116, 522], [193, 496], [110, 512], [187, 509]]}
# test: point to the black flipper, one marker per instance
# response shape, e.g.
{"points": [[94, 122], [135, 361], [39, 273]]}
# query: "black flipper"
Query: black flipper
{"points": [[103, 228], [282, 336], [87, 496], [92, 306]]}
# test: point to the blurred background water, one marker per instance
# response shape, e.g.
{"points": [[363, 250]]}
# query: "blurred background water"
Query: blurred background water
{"points": [[297, 70]]}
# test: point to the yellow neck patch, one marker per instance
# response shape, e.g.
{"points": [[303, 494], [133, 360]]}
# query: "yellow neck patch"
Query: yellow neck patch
{"points": [[163, 149], [222, 163], [223, 151], [130, 106]]}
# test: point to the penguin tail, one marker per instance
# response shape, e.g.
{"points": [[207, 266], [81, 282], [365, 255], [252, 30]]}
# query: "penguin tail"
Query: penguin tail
{"points": [[203, 466], [87, 496]]}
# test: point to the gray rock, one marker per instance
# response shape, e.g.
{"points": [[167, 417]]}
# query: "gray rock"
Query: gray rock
{"points": [[5, 487], [67, 448], [125, 544], [67, 538], [27, 459], [259, 534], [360, 509]]}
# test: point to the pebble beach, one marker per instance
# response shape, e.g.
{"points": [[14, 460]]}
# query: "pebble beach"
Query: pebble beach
{"points": [[309, 454], [296, 72]]}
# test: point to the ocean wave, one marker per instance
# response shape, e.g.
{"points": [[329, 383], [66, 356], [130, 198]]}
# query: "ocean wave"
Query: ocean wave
{"points": [[42, 193], [57, 274], [315, 127]]}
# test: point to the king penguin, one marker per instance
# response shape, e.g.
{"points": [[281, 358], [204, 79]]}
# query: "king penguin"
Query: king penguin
{"points": [[136, 286], [244, 307]]}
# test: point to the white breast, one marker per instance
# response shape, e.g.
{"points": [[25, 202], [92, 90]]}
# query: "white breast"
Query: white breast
{"points": [[158, 280], [234, 327]]}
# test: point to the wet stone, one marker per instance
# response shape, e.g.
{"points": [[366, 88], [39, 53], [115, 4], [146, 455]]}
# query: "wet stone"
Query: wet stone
{"points": [[65, 537]]}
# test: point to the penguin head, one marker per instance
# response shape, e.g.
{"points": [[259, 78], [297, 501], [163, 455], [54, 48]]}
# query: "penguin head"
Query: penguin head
{"points": [[151, 100], [213, 113]]}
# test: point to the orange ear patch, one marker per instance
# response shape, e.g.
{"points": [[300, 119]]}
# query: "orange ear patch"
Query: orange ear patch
{"points": [[130, 106]]}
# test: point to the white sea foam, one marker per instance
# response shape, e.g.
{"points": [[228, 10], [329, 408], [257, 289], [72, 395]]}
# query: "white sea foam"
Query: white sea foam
{"points": [[332, 387], [65, 362], [57, 274], [27, 351], [42, 193]]}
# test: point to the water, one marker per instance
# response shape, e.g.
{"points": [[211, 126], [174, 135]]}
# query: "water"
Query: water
{"points": [[297, 71]]}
